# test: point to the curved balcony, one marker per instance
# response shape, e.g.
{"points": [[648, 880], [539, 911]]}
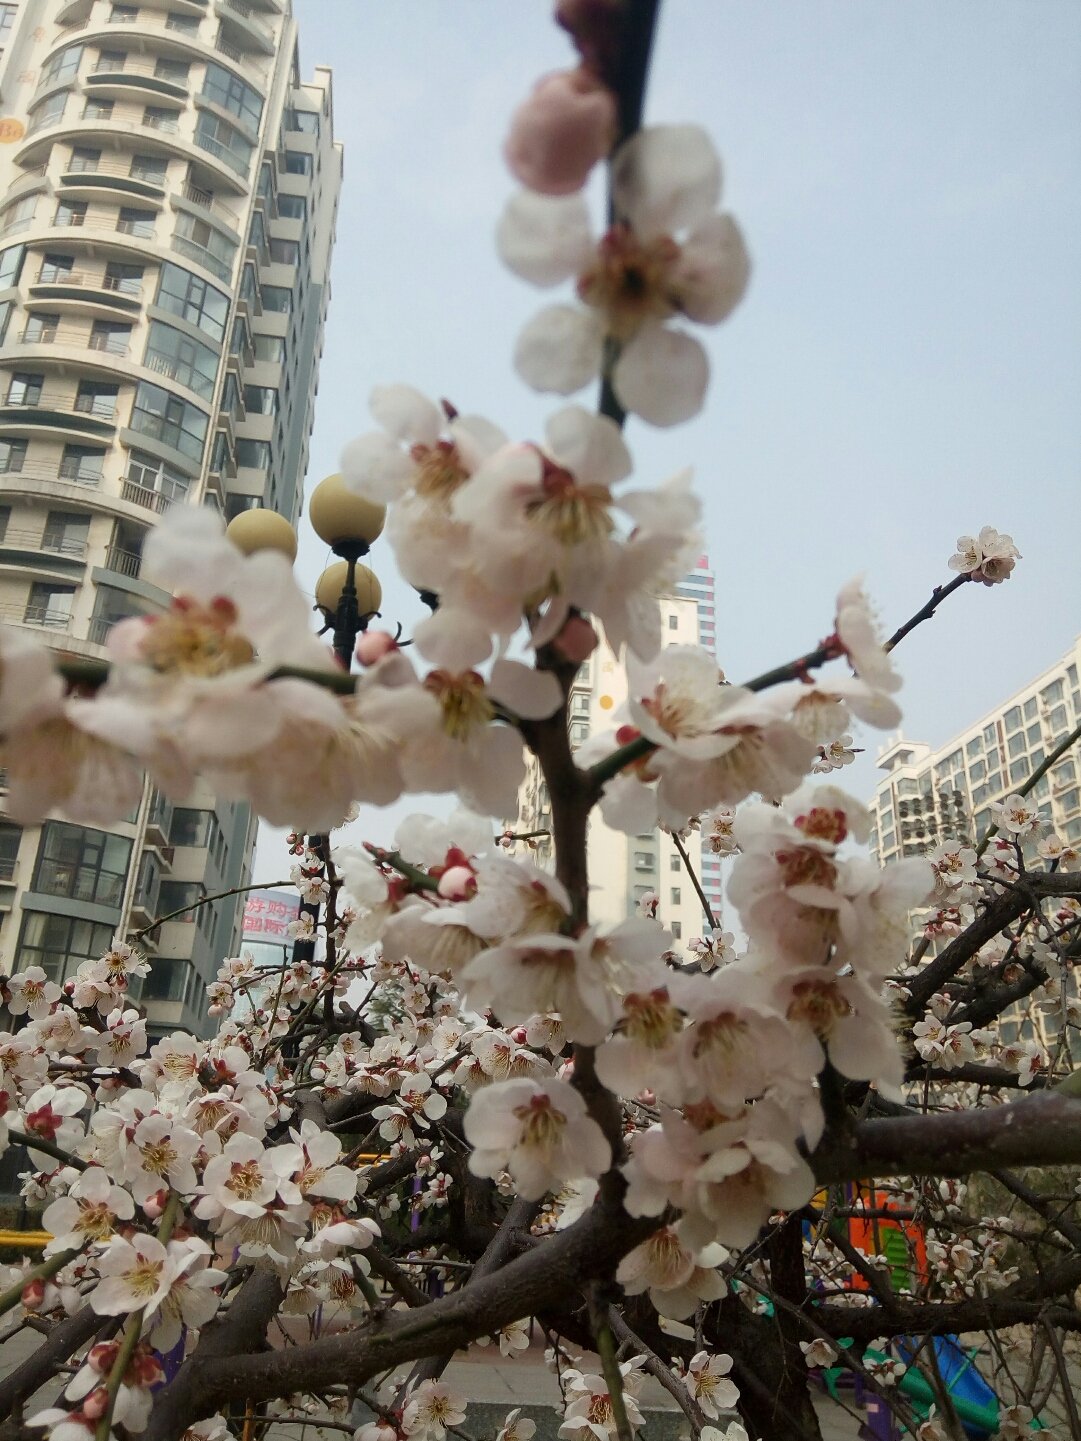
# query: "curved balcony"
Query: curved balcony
{"points": [[91, 179], [128, 125], [121, 497], [241, 26], [84, 292], [172, 34], [120, 82], [80, 417]]}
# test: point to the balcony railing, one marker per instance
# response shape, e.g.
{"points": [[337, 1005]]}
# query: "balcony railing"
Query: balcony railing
{"points": [[73, 336], [121, 284], [40, 471], [70, 546], [101, 407], [121, 561], [100, 626], [223, 153], [45, 618], [207, 200], [239, 9], [7, 868], [142, 68], [125, 169], [141, 495], [199, 253]]}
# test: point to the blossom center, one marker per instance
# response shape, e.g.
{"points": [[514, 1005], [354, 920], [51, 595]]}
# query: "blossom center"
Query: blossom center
{"points": [[245, 1179], [542, 1124], [158, 1156], [196, 640], [143, 1278], [806, 868], [818, 1003], [440, 471], [629, 279], [95, 1220], [821, 824], [464, 701], [572, 513], [651, 1019]]}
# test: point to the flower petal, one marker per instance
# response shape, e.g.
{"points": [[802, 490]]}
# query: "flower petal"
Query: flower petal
{"points": [[711, 275], [406, 414], [666, 178], [560, 349], [545, 239], [590, 446], [375, 468], [662, 376], [533, 694]]}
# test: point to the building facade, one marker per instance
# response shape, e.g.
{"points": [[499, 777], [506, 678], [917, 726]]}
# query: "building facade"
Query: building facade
{"points": [[623, 869], [930, 796], [170, 190], [699, 585]]}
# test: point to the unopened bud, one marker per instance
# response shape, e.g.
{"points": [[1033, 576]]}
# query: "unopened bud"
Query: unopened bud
{"points": [[373, 645], [154, 1206], [33, 1294], [457, 883]]}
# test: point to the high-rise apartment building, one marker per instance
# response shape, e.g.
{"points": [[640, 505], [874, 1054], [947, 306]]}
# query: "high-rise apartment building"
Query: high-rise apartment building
{"points": [[169, 188], [623, 868], [927, 797], [699, 585]]}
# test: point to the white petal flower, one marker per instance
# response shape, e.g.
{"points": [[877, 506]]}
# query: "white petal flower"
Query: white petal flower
{"points": [[540, 1131]]}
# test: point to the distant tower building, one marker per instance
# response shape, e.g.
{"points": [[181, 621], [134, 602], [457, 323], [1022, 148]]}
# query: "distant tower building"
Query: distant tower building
{"points": [[169, 188], [699, 587]]}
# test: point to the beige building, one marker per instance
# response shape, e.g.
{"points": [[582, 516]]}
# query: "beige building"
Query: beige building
{"points": [[170, 190], [623, 868], [928, 796]]}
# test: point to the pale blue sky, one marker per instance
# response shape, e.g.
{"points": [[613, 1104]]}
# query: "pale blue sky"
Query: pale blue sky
{"points": [[906, 366]]}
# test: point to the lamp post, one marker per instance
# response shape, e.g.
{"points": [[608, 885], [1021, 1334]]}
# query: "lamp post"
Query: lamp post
{"points": [[347, 593]]}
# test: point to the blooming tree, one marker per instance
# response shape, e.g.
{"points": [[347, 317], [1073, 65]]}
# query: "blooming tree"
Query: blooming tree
{"points": [[463, 1105]]}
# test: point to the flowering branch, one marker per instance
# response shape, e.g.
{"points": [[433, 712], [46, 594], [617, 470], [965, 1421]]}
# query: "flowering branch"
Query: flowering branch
{"points": [[601, 1326]]}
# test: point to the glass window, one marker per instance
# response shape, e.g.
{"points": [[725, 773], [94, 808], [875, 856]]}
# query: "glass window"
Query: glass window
{"points": [[49, 112], [1013, 718], [84, 159], [1016, 744], [109, 60], [231, 93], [19, 215], [292, 207], [200, 241], [254, 454], [11, 264], [60, 944], [70, 212], [1030, 707], [217, 136], [977, 771], [153, 474], [673, 863], [175, 894], [277, 299], [81, 463], [180, 357], [10, 838], [124, 14], [974, 746], [677, 930], [112, 336], [7, 20], [1019, 770], [261, 399], [643, 861], [85, 864], [165, 68], [190, 827], [304, 121], [66, 532], [160, 117], [151, 168], [295, 162], [193, 300], [675, 891], [124, 279], [96, 109], [41, 327], [49, 605], [25, 388], [272, 347], [97, 397], [1057, 720], [136, 222], [169, 980], [169, 419], [285, 252], [12, 456]]}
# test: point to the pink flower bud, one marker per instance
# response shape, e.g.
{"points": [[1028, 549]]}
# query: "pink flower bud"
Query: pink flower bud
{"points": [[596, 28], [373, 645], [577, 640], [457, 884], [560, 132], [33, 1294], [154, 1206], [96, 1404]]}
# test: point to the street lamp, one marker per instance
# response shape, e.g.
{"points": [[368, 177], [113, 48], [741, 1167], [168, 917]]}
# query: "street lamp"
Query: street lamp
{"points": [[349, 595]]}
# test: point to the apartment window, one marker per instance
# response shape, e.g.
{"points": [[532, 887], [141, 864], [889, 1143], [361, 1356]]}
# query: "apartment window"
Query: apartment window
{"points": [[253, 454], [11, 264], [66, 532], [181, 358], [84, 159], [5, 520], [160, 117], [25, 388], [110, 60], [675, 894], [673, 622], [124, 14], [272, 347], [169, 980], [190, 827], [231, 93], [124, 279], [112, 336], [168, 69], [151, 168], [41, 327], [1031, 706], [60, 944], [96, 109], [153, 474], [643, 861], [277, 299], [674, 863], [201, 241], [193, 300], [1019, 770], [1035, 734], [169, 419], [10, 838], [97, 397], [181, 896], [7, 20], [1016, 744], [12, 456], [82, 463], [185, 24], [110, 606], [49, 605], [306, 122], [296, 162], [19, 215], [974, 746], [292, 207], [579, 732], [136, 222], [48, 113], [261, 399], [85, 864], [1013, 718], [70, 212], [221, 458], [285, 252]]}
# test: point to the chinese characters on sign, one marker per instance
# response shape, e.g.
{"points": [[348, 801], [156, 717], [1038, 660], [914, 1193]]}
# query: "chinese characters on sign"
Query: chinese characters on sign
{"points": [[267, 915]]}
